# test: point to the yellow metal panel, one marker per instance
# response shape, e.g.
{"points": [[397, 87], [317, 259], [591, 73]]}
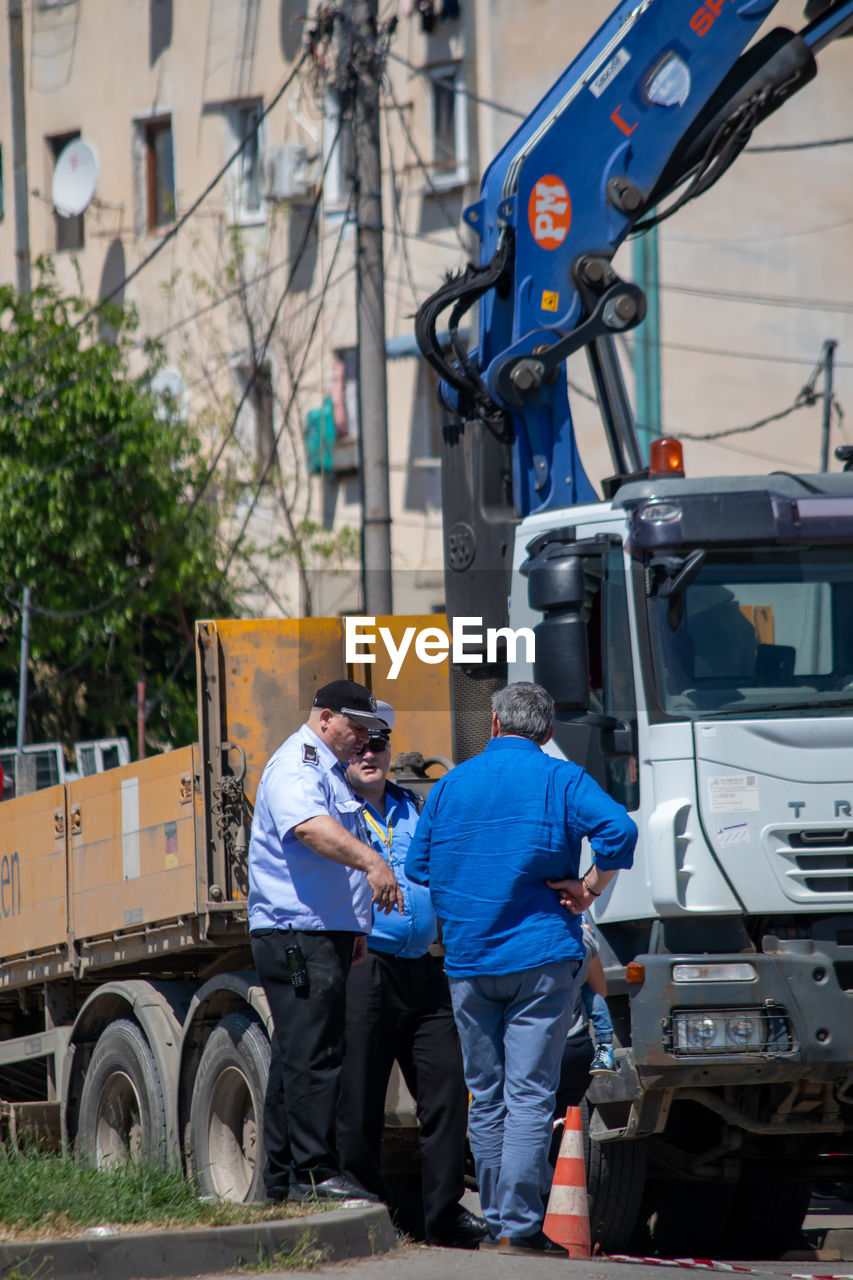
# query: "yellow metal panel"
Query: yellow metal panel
{"points": [[272, 668], [33, 904], [132, 845]]}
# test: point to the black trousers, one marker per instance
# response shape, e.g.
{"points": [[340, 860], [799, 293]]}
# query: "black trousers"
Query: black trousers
{"points": [[400, 1009], [307, 1055]]}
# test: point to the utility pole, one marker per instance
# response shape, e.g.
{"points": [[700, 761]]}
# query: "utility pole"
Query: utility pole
{"points": [[828, 363], [25, 781], [370, 287], [19, 147]]}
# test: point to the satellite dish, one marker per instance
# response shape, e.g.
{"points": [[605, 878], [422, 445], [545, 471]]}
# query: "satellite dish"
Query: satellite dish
{"points": [[169, 387], [74, 178]]}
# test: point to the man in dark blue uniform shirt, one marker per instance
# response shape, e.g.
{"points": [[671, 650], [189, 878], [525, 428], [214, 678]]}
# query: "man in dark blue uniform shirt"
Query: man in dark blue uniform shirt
{"points": [[398, 1007]]}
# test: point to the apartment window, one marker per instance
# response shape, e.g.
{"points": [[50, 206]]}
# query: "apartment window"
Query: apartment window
{"points": [[338, 156], [69, 232], [245, 199], [449, 126], [258, 414], [159, 173]]}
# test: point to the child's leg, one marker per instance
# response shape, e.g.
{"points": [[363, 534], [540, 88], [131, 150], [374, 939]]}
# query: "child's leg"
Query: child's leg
{"points": [[599, 1015]]}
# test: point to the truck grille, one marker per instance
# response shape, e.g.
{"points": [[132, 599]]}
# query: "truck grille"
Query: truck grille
{"points": [[819, 861]]}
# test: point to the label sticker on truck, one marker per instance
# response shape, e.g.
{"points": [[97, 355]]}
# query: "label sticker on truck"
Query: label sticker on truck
{"points": [[733, 793], [610, 72], [729, 837]]}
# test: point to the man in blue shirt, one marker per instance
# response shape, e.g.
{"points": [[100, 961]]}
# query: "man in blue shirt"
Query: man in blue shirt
{"points": [[499, 844], [398, 1007], [312, 883]]}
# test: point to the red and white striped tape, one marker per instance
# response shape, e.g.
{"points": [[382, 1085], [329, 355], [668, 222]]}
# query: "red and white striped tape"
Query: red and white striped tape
{"points": [[708, 1264]]}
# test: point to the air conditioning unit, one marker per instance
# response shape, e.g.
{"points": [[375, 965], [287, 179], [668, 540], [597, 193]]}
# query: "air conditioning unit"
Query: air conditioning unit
{"points": [[284, 172]]}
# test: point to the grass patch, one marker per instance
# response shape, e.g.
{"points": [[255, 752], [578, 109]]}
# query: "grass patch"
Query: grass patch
{"points": [[304, 1255], [46, 1195]]}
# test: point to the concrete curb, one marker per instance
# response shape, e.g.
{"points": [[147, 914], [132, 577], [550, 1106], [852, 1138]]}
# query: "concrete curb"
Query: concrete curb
{"points": [[155, 1255], [828, 1244]]}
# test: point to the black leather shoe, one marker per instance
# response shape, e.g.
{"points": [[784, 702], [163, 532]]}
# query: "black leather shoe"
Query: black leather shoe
{"points": [[462, 1230], [335, 1188], [537, 1243]]}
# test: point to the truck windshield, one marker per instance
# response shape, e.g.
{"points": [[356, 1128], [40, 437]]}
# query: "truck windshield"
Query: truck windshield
{"points": [[758, 631]]}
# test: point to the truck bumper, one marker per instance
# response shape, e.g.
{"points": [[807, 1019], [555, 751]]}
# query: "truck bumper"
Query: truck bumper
{"points": [[789, 1021]]}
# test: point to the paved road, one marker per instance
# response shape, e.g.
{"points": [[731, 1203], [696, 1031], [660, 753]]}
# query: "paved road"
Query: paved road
{"points": [[421, 1263]]}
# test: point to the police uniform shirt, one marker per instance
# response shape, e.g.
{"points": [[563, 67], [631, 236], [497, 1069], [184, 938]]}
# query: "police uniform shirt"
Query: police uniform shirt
{"points": [[407, 934], [289, 884]]}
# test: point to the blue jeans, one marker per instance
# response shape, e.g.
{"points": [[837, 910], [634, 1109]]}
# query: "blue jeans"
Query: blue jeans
{"points": [[512, 1028], [598, 1014]]}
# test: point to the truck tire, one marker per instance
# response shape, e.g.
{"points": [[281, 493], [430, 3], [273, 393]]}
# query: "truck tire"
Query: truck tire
{"points": [[616, 1180], [226, 1112], [122, 1108], [767, 1218]]}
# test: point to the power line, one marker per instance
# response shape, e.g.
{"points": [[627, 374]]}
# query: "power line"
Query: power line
{"points": [[762, 238], [753, 426], [97, 307], [761, 299], [742, 355], [802, 146], [461, 89]]}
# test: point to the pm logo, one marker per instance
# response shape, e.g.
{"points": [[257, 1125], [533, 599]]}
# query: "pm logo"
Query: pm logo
{"points": [[549, 212]]}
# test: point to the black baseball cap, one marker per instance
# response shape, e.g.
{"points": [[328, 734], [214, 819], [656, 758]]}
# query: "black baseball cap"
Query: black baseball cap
{"points": [[352, 700]]}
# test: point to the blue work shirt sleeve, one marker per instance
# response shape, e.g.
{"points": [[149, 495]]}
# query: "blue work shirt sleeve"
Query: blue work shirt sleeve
{"points": [[610, 831]]}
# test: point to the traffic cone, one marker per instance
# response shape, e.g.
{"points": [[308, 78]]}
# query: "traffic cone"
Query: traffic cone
{"points": [[567, 1219]]}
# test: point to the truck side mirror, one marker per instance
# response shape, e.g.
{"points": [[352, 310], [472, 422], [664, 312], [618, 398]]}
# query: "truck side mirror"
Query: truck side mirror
{"points": [[556, 587]]}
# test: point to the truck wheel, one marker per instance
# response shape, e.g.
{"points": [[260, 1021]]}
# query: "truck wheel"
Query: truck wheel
{"points": [[616, 1180], [122, 1109], [227, 1108], [767, 1218]]}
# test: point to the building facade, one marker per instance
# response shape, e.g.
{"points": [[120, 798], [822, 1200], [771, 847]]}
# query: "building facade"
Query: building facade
{"points": [[248, 276]]}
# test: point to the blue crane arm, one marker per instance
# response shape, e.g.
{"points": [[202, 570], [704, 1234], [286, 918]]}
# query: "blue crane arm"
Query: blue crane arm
{"points": [[660, 101]]}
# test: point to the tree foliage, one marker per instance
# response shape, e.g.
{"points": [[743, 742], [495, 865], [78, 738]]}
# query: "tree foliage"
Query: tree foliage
{"points": [[106, 517]]}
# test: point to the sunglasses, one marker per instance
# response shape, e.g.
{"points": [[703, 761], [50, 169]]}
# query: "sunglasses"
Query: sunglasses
{"points": [[376, 745]]}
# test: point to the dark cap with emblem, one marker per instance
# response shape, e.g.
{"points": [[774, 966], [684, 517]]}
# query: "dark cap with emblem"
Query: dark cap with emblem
{"points": [[352, 700]]}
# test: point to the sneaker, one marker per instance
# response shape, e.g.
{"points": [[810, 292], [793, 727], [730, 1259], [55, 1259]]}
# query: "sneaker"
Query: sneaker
{"points": [[603, 1064], [537, 1243]]}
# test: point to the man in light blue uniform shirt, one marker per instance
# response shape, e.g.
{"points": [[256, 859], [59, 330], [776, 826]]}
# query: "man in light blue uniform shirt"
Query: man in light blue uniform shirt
{"points": [[312, 885], [398, 1007], [499, 844]]}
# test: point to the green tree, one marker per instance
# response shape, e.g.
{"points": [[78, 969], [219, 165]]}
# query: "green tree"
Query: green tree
{"points": [[106, 514]]}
